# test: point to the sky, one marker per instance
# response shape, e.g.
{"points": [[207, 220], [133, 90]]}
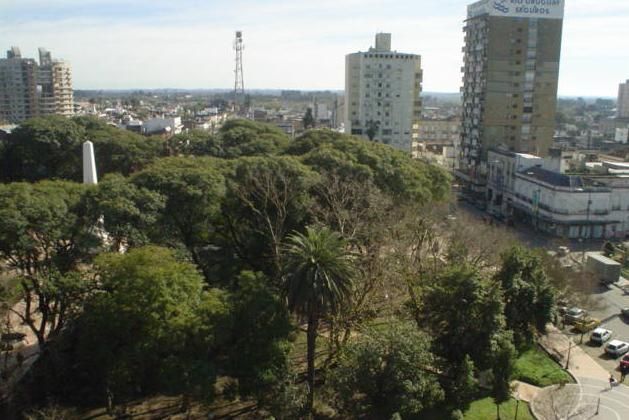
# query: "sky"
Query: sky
{"points": [[126, 44]]}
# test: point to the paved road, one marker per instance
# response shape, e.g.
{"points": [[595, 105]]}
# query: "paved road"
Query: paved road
{"points": [[614, 403], [610, 300], [529, 236], [590, 399]]}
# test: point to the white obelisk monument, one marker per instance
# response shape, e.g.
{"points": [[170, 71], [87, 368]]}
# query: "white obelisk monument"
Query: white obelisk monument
{"points": [[89, 164]]}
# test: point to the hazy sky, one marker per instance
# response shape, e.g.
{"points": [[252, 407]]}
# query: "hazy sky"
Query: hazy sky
{"points": [[288, 44]]}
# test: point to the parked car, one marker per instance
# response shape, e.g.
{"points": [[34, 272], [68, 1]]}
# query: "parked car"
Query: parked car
{"points": [[624, 363], [625, 312], [616, 348], [586, 324], [600, 335], [573, 315]]}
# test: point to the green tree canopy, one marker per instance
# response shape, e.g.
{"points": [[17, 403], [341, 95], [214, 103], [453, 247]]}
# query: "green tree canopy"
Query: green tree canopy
{"points": [[528, 294], [193, 189], [503, 364], [259, 324], [387, 371], [50, 147], [464, 311], [194, 143], [129, 213], [393, 171], [117, 150], [153, 328], [248, 138], [45, 147], [45, 236], [267, 197]]}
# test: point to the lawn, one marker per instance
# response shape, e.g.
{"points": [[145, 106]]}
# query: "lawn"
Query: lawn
{"points": [[485, 409], [537, 368]]}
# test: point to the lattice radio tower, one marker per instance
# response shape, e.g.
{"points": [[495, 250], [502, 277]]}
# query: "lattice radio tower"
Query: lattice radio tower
{"points": [[239, 84]]}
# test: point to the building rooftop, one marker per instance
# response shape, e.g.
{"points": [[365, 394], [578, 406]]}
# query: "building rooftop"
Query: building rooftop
{"points": [[553, 178]]}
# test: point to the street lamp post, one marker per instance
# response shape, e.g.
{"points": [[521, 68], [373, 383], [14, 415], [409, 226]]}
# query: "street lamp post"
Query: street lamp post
{"points": [[568, 358]]}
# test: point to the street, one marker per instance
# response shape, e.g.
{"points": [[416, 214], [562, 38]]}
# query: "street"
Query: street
{"points": [[611, 299]]}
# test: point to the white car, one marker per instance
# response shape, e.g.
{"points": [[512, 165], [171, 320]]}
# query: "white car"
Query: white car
{"points": [[600, 335], [616, 348]]}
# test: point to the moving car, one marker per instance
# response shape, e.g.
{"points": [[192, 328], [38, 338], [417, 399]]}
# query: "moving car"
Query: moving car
{"points": [[616, 348], [600, 335], [573, 315]]}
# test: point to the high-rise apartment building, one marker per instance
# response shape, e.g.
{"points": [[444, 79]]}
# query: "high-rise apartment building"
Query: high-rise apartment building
{"points": [[622, 108], [54, 86], [382, 94], [18, 87], [29, 89], [511, 71]]}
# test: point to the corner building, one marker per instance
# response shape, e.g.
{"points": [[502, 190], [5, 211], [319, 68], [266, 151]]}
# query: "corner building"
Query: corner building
{"points": [[382, 89], [510, 76]]}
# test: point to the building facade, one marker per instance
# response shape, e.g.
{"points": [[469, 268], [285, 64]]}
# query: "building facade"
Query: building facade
{"points": [[54, 86], [622, 108], [438, 141], [382, 94], [29, 89], [536, 191], [18, 87], [510, 76]]}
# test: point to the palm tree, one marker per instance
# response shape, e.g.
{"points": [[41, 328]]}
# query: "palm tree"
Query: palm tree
{"points": [[318, 274]]}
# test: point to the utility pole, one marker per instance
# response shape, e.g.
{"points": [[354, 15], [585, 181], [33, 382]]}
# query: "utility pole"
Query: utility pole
{"points": [[568, 358]]}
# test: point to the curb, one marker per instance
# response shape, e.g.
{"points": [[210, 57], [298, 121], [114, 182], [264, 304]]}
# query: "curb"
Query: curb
{"points": [[572, 375]]}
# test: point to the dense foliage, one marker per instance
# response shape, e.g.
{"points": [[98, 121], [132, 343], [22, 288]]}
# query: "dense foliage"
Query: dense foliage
{"points": [[386, 372], [245, 265]]}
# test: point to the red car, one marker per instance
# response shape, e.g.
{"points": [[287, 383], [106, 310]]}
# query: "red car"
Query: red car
{"points": [[624, 363]]}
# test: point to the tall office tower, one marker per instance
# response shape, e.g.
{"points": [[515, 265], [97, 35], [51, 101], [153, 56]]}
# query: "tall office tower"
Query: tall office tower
{"points": [[18, 87], [28, 89], [54, 86], [622, 109], [511, 70], [382, 94]]}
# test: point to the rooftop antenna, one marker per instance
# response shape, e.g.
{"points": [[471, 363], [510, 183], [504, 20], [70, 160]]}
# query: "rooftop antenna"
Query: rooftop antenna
{"points": [[239, 84]]}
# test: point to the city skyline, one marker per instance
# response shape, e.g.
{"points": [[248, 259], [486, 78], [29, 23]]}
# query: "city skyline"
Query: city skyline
{"points": [[114, 45]]}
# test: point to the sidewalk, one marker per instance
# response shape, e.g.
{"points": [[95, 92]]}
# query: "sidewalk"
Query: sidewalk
{"points": [[525, 392], [591, 397], [581, 364]]}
